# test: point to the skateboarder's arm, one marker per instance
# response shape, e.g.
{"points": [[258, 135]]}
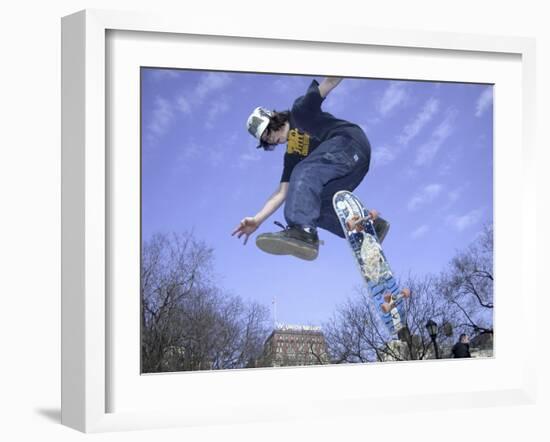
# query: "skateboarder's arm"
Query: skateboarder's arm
{"points": [[328, 84], [249, 224], [273, 203]]}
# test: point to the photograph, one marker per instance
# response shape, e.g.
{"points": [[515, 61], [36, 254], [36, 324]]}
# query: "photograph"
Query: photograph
{"points": [[303, 220]]}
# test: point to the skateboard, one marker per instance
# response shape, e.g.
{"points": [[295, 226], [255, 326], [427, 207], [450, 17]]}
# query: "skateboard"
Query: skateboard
{"points": [[357, 223]]}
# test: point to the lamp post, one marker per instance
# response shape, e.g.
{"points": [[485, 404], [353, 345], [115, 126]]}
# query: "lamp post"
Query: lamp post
{"points": [[431, 326]]}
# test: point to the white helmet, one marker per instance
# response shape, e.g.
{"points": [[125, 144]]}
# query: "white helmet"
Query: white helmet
{"points": [[258, 122]]}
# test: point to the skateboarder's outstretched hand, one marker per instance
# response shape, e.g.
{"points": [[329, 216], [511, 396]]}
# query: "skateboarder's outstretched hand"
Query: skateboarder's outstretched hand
{"points": [[246, 227]]}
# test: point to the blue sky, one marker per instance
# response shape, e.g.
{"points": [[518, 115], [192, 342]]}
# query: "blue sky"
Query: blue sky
{"points": [[431, 176]]}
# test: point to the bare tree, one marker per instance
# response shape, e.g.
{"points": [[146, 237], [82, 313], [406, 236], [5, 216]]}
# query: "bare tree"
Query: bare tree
{"points": [[426, 304], [188, 323], [467, 286], [171, 269], [459, 299], [356, 333]]}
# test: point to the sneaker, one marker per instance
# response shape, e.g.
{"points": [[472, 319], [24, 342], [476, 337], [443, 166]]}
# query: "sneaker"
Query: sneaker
{"points": [[295, 241], [381, 227]]}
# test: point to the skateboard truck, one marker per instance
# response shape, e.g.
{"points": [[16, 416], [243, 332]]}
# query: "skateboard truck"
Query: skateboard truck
{"points": [[381, 226], [356, 220], [390, 300]]}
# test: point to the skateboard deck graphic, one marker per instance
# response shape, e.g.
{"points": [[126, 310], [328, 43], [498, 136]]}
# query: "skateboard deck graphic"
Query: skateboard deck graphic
{"points": [[375, 269]]}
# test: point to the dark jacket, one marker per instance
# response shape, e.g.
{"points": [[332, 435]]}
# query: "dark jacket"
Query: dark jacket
{"points": [[461, 350]]}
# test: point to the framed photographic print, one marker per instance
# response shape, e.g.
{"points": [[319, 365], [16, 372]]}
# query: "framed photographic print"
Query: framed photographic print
{"points": [[183, 141]]}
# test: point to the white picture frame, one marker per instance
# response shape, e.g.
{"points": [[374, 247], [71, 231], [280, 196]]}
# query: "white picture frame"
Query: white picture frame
{"points": [[87, 207]]}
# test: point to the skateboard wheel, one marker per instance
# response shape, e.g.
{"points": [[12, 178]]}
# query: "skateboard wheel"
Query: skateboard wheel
{"points": [[406, 293], [350, 222], [386, 308]]}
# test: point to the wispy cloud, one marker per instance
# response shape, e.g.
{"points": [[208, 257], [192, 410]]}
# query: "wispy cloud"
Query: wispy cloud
{"points": [[427, 151], [341, 97], [424, 196], [211, 82], [225, 144], [215, 157], [183, 104], [186, 154], [248, 158], [451, 197], [190, 150], [161, 116], [449, 160], [395, 95], [293, 86], [412, 129], [248, 154], [215, 110], [371, 121], [382, 155], [167, 110], [484, 101], [483, 142], [163, 74], [462, 222], [237, 194], [454, 195], [420, 232]]}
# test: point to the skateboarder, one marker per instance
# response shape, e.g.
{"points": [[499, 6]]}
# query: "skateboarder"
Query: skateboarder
{"points": [[324, 154]]}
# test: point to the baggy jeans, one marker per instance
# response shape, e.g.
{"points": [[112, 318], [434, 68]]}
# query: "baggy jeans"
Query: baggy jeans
{"points": [[339, 163]]}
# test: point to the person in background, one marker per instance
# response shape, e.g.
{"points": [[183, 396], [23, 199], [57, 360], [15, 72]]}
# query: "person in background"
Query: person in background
{"points": [[462, 348]]}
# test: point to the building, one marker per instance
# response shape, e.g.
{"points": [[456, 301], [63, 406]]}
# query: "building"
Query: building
{"points": [[291, 345]]}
